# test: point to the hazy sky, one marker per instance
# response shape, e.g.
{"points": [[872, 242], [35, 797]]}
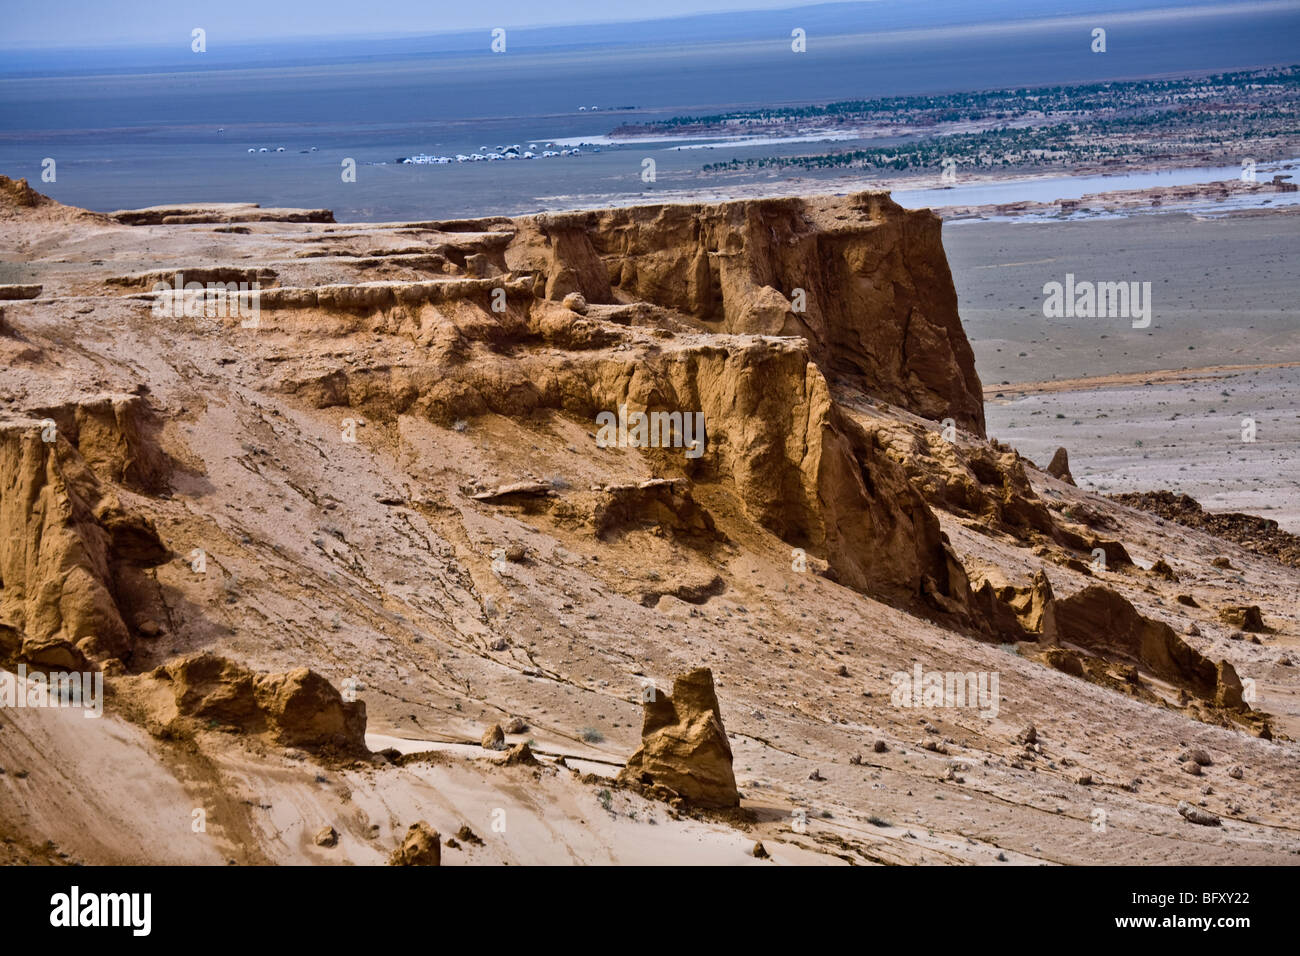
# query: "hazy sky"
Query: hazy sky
{"points": [[77, 23], [39, 25]]}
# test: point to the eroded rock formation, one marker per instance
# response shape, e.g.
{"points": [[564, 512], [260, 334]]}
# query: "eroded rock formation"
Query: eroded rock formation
{"points": [[297, 709], [1059, 466], [73, 561], [1097, 622], [684, 749], [864, 281], [1103, 622], [801, 467]]}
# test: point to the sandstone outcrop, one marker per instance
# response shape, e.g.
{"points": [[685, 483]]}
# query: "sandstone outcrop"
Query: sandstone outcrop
{"points": [[1245, 616], [1019, 613], [145, 281], [216, 213], [987, 483], [297, 709], [74, 564], [1102, 622], [520, 755], [18, 199], [799, 465], [863, 280], [880, 314], [684, 748], [116, 435], [15, 292], [1059, 466], [664, 505]]}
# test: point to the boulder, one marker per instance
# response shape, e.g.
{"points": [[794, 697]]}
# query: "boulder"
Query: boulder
{"points": [[307, 711], [422, 847], [1162, 569], [1065, 661], [1248, 617], [520, 755], [1198, 816]]}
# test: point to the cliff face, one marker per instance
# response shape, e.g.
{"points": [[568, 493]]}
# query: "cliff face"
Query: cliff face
{"points": [[865, 281]]}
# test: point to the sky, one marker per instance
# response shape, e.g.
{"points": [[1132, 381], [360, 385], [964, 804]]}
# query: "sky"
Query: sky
{"points": [[91, 23], [55, 24]]}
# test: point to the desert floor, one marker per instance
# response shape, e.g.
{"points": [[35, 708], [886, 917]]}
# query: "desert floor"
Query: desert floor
{"points": [[1224, 339]]}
